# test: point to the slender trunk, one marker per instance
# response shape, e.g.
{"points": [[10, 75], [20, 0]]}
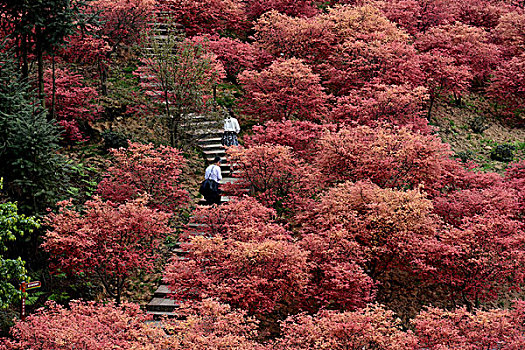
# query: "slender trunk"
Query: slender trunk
{"points": [[53, 82], [40, 62], [25, 63], [103, 78], [119, 293], [429, 113]]}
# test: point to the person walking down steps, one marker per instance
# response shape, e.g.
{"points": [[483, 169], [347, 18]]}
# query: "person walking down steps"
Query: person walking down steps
{"points": [[231, 129], [210, 186]]}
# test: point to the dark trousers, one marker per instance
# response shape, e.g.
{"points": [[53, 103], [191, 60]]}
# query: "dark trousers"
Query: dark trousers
{"points": [[213, 196]]}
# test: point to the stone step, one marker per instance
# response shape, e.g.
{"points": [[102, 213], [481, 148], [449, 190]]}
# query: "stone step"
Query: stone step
{"points": [[179, 251], [215, 132], [162, 291], [160, 314], [210, 154], [229, 180], [209, 140], [162, 304], [211, 145]]}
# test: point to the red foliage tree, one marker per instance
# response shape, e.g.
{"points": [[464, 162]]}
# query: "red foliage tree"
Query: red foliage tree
{"points": [[85, 47], [314, 39], [275, 177], [211, 325], [417, 16], [143, 169], [460, 329], [300, 8], [468, 46], [382, 228], [389, 157], [122, 22], [358, 63], [208, 16], [286, 89], [510, 33], [480, 13], [478, 260], [310, 39], [73, 103], [338, 279], [378, 104], [515, 178], [370, 328], [244, 220], [301, 136], [495, 200], [508, 88], [444, 76], [260, 276], [107, 241], [235, 55], [85, 325]]}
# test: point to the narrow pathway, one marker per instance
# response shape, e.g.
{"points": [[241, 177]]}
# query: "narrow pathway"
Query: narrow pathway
{"points": [[210, 144]]}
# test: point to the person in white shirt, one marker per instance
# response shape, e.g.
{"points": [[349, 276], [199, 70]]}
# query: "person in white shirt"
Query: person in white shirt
{"points": [[231, 129], [210, 187]]}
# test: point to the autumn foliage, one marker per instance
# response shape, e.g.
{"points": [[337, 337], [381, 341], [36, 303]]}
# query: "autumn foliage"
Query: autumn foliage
{"points": [[143, 169], [74, 102], [349, 225], [108, 241], [85, 325], [285, 90]]}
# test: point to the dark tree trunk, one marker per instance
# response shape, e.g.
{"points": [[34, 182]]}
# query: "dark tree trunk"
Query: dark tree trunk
{"points": [[53, 94]]}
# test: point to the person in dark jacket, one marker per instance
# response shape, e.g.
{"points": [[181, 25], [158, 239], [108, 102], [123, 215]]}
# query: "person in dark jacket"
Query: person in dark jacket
{"points": [[210, 187]]}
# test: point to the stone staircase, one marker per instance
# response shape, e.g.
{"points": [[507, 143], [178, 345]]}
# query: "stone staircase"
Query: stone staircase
{"points": [[207, 131], [210, 143]]}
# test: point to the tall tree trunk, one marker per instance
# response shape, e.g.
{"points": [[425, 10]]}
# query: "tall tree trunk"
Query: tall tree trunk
{"points": [[40, 63], [25, 63], [432, 98], [103, 78], [53, 93]]}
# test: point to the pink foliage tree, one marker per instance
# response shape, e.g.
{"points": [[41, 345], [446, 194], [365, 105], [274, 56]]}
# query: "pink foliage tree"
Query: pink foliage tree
{"points": [[358, 63], [468, 46], [389, 157], [460, 329], [300, 8], [275, 177], [515, 177], [143, 169], [263, 277], [211, 325], [508, 88], [301, 136], [374, 105], [286, 89], [370, 328], [122, 22], [495, 200], [417, 16], [107, 241], [381, 228], [71, 102], [84, 325], [244, 220], [235, 55], [478, 260], [510, 33], [208, 16]]}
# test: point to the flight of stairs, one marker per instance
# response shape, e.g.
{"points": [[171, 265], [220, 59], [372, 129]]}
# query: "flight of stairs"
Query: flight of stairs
{"points": [[207, 130], [210, 144]]}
